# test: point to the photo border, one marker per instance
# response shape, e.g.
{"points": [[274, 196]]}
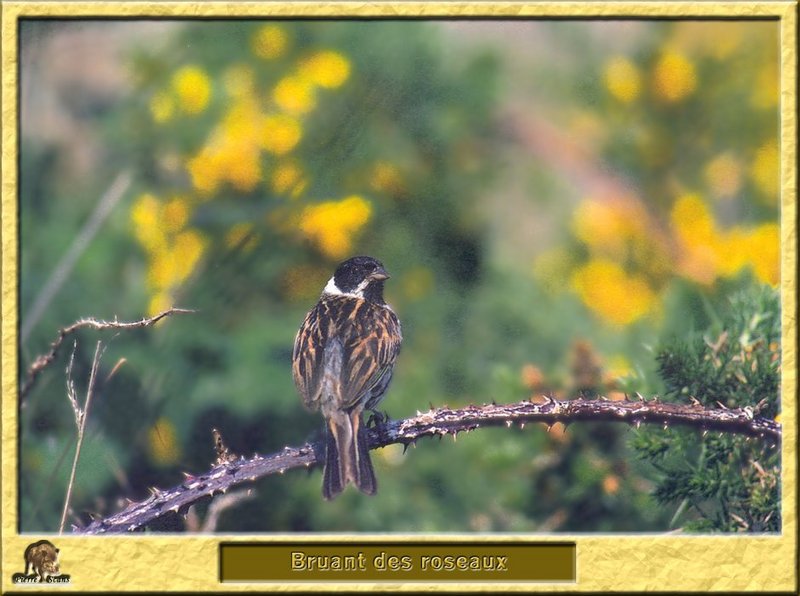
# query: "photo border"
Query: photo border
{"points": [[604, 562]]}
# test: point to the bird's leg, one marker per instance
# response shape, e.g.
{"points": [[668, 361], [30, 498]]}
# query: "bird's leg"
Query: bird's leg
{"points": [[377, 418]]}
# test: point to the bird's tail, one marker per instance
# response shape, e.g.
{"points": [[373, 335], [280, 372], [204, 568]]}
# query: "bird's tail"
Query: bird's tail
{"points": [[347, 456]]}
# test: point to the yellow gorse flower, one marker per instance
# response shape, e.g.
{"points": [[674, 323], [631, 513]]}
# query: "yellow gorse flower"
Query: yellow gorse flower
{"points": [[620, 228], [331, 225], [173, 265], [296, 92], [622, 79], [295, 95], [269, 42], [245, 140], [162, 271], [758, 248], [611, 226], [146, 217], [764, 248], [239, 127], [280, 133], [327, 69], [617, 231], [288, 178], [674, 77], [698, 239], [706, 253], [692, 220], [232, 153], [188, 248], [616, 296], [192, 88], [244, 173], [173, 249], [175, 214], [732, 251], [204, 170]]}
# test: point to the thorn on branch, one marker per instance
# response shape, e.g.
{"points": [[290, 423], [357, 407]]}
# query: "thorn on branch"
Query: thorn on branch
{"points": [[224, 455]]}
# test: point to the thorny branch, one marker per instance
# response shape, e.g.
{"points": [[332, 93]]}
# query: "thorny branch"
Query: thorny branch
{"points": [[230, 472], [44, 360]]}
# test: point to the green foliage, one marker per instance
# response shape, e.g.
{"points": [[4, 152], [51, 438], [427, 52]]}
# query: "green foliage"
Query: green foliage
{"points": [[721, 482], [736, 362], [399, 128], [401, 147]]}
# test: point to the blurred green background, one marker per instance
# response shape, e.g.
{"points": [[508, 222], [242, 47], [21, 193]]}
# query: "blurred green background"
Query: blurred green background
{"points": [[553, 200]]}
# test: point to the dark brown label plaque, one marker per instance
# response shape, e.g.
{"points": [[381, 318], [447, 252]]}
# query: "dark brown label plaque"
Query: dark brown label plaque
{"points": [[397, 562]]}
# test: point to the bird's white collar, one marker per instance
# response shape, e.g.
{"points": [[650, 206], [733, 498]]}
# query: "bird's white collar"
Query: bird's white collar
{"points": [[332, 289]]}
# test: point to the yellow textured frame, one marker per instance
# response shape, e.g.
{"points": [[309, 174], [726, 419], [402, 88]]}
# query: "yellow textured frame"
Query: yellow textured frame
{"points": [[190, 563]]}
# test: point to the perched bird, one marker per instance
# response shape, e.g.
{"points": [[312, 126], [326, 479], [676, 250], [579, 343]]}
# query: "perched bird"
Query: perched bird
{"points": [[342, 362]]}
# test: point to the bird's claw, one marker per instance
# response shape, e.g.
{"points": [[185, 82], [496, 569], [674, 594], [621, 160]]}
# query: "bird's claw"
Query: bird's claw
{"points": [[377, 418]]}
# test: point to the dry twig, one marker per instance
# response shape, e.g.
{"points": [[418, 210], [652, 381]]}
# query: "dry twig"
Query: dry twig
{"points": [[81, 415], [44, 360], [215, 509]]}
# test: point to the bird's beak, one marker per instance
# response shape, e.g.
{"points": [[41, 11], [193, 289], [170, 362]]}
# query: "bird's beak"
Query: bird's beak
{"points": [[379, 274]]}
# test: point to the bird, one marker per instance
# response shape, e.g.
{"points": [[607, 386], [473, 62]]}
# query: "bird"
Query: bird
{"points": [[342, 362]]}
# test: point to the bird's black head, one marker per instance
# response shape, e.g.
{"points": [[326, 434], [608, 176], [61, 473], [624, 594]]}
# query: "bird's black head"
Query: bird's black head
{"points": [[361, 277]]}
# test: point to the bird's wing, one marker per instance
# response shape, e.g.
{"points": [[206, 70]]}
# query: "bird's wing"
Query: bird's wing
{"points": [[371, 345], [307, 357]]}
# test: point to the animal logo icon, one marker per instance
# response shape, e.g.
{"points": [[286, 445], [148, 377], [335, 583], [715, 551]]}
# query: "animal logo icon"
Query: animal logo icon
{"points": [[42, 558], [41, 565]]}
